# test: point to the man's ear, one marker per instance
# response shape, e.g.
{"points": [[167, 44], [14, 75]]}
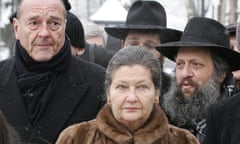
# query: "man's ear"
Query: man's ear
{"points": [[222, 77], [122, 43], [16, 27], [80, 51]]}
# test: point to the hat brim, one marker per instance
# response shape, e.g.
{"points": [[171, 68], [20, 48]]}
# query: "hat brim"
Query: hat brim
{"points": [[230, 56], [166, 34]]}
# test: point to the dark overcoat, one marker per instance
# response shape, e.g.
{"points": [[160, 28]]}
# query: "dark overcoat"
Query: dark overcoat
{"points": [[77, 98], [223, 122]]}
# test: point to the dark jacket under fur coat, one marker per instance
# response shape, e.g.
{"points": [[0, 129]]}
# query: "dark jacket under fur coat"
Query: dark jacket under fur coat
{"points": [[105, 129]]}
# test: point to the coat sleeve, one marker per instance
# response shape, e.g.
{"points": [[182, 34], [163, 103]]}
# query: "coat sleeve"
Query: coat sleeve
{"points": [[73, 134], [183, 136], [210, 130]]}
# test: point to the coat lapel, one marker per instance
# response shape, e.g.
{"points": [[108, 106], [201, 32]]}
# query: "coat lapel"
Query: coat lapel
{"points": [[11, 102], [62, 104], [58, 111], [155, 128]]}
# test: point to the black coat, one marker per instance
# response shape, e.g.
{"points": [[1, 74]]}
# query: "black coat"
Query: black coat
{"points": [[223, 122], [78, 98], [97, 54]]}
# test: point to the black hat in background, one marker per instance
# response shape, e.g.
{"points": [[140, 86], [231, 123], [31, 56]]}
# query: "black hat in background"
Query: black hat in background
{"points": [[231, 28], [12, 16], [144, 16], [67, 5], [204, 32], [75, 31]]}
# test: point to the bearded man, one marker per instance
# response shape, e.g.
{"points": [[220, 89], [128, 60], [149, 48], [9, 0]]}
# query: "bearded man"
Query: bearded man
{"points": [[204, 61]]}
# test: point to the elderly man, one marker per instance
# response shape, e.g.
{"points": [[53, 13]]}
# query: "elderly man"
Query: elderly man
{"points": [[43, 88], [204, 62]]}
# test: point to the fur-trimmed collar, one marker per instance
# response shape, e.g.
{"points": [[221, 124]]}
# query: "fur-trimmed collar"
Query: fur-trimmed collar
{"points": [[153, 129], [105, 129]]}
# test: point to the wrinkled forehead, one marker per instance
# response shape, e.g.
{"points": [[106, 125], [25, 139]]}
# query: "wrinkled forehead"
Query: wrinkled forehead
{"points": [[41, 6]]}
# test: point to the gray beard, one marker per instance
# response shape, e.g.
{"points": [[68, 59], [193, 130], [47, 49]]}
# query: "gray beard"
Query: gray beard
{"points": [[183, 111]]}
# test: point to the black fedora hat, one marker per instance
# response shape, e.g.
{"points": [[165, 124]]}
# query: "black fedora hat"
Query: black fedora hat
{"points": [[203, 32], [145, 15]]}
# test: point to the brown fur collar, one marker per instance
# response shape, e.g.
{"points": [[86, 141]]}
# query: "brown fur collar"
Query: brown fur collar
{"points": [[154, 128], [107, 130]]}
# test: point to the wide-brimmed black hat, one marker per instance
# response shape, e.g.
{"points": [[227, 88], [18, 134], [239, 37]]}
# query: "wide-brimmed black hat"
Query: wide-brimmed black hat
{"points": [[145, 15], [203, 32]]}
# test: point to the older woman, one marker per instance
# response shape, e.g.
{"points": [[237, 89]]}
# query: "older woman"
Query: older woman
{"points": [[132, 114]]}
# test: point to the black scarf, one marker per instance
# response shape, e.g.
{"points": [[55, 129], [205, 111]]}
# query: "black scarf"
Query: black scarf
{"points": [[38, 80]]}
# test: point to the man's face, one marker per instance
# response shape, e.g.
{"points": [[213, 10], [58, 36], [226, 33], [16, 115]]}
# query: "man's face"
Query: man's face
{"points": [[40, 28], [194, 67], [146, 40], [233, 42], [236, 74], [184, 110]]}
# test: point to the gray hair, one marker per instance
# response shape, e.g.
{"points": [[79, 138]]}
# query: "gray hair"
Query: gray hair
{"points": [[94, 30], [222, 67], [134, 55], [20, 7]]}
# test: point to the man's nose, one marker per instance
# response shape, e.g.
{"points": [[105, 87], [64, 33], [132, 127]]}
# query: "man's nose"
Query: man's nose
{"points": [[141, 45], [186, 71], [44, 31]]}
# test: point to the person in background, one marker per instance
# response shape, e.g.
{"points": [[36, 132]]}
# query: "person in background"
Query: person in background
{"points": [[81, 48], [43, 88], [146, 27], [113, 43], [95, 34], [231, 28], [132, 113], [204, 65], [75, 32]]}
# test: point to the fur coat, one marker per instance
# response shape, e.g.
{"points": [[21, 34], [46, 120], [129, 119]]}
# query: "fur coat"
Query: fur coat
{"points": [[105, 129]]}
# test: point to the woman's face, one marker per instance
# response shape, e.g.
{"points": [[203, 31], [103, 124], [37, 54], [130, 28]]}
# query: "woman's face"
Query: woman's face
{"points": [[132, 94]]}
